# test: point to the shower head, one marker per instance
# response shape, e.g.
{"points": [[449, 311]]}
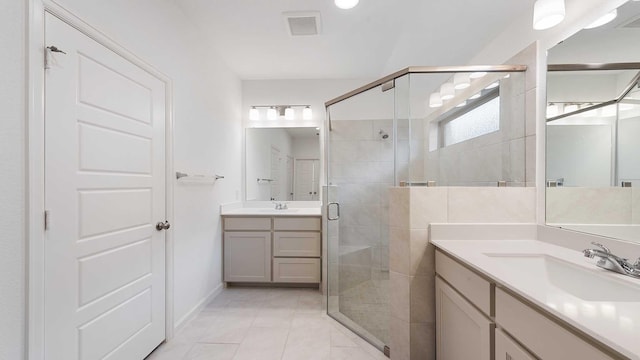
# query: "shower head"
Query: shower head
{"points": [[383, 134]]}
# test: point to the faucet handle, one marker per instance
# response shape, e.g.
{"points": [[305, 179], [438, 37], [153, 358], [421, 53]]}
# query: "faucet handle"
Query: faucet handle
{"points": [[604, 248]]}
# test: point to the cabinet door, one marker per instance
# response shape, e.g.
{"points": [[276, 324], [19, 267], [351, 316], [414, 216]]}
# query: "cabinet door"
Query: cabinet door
{"points": [[296, 244], [462, 332], [247, 256], [507, 349]]}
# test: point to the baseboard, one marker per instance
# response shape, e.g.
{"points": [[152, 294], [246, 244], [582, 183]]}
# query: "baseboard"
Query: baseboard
{"points": [[197, 309]]}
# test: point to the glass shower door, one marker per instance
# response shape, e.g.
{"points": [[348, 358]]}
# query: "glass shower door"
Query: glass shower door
{"points": [[360, 169]]}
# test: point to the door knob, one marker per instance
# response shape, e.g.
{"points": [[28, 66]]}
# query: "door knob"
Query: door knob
{"points": [[163, 225]]}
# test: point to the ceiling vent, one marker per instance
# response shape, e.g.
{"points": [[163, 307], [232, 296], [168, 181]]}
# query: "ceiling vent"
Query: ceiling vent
{"points": [[303, 23]]}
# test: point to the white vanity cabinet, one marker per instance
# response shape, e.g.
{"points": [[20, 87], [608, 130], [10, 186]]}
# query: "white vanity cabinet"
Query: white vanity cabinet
{"points": [[272, 249], [464, 329], [477, 319]]}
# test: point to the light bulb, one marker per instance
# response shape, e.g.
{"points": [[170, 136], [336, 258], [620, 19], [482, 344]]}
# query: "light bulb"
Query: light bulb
{"points": [[478, 74], [569, 108], [288, 113], [346, 4], [606, 18], [547, 13], [493, 85], [435, 100], [461, 81], [254, 114], [272, 114], [447, 91], [307, 114]]}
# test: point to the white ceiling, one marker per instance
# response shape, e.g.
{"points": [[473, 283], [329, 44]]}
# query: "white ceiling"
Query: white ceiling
{"points": [[373, 39]]}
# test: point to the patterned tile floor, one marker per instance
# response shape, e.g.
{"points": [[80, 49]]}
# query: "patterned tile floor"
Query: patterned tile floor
{"points": [[264, 324]]}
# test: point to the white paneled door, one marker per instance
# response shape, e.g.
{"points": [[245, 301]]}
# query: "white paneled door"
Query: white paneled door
{"points": [[104, 193]]}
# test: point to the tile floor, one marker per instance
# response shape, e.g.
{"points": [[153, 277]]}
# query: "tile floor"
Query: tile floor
{"points": [[265, 324]]}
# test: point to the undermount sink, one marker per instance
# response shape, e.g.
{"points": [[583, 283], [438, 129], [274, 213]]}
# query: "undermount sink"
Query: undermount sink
{"points": [[584, 283], [277, 211]]}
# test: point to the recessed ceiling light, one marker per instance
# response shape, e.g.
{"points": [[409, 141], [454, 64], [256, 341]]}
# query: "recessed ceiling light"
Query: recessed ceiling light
{"points": [[603, 19], [346, 4]]}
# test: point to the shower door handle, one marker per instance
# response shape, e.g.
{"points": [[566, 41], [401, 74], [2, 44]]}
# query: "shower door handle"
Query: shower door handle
{"points": [[329, 211]]}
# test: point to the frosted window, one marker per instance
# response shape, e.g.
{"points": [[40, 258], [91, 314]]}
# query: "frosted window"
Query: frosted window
{"points": [[482, 120]]}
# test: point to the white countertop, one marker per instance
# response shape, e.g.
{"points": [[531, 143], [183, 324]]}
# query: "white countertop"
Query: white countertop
{"points": [[267, 208], [612, 317]]}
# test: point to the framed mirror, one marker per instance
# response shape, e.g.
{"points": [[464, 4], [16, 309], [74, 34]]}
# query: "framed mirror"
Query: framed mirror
{"points": [[282, 164], [593, 129]]}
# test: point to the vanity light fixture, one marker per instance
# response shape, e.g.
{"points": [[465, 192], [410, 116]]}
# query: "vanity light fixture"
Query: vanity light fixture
{"points": [[604, 19], [548, 13], [461, 81], [478, 74], [435, 100], [274, 112], [289, 113], [552, 110], [254, 114], [346, 4], [447, 91], [569, 108], [476, 96], [462, 104], [307, 114]]}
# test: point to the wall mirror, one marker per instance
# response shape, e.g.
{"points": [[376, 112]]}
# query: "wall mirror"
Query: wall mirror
{"points": [[282, 164], [593, 129]]}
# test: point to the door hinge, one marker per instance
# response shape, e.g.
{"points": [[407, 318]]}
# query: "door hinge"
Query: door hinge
{"points": [[46, 219]]}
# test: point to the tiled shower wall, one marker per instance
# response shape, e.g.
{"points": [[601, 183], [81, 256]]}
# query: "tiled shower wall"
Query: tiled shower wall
{"points": [[411, 210], [412, 270]]}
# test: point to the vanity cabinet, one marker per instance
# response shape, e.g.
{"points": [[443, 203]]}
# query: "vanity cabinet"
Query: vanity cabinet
{"points": [[466, 303], [272, 249]]}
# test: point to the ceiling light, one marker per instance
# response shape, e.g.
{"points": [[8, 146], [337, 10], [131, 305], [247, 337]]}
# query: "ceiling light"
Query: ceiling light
{"points": [[346, 4], [254, 114], [435, 100], [307, 114], [547, 13], [603, 19], [461, 81], [272, 114], [473, 97], [478, 74], [447, 91], [493, 85], [288, 113]]}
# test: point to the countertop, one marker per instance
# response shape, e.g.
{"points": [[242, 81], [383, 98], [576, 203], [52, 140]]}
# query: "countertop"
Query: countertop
{"points": [[267, 208], [529, 268]]}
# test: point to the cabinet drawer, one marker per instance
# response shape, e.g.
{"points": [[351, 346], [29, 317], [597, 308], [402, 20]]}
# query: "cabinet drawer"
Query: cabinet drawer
{"points": [[545, 338], [507, 349], [468, 283], [296, 270], [247, 223], [296, 244], [296, 223]]}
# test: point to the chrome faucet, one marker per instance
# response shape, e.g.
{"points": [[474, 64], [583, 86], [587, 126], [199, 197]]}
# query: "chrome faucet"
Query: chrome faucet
{"points": [[281, 206], [609, 261]]}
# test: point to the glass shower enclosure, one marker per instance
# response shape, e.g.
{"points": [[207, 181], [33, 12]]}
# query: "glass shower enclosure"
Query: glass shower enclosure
{"points": [[397, 132]]}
